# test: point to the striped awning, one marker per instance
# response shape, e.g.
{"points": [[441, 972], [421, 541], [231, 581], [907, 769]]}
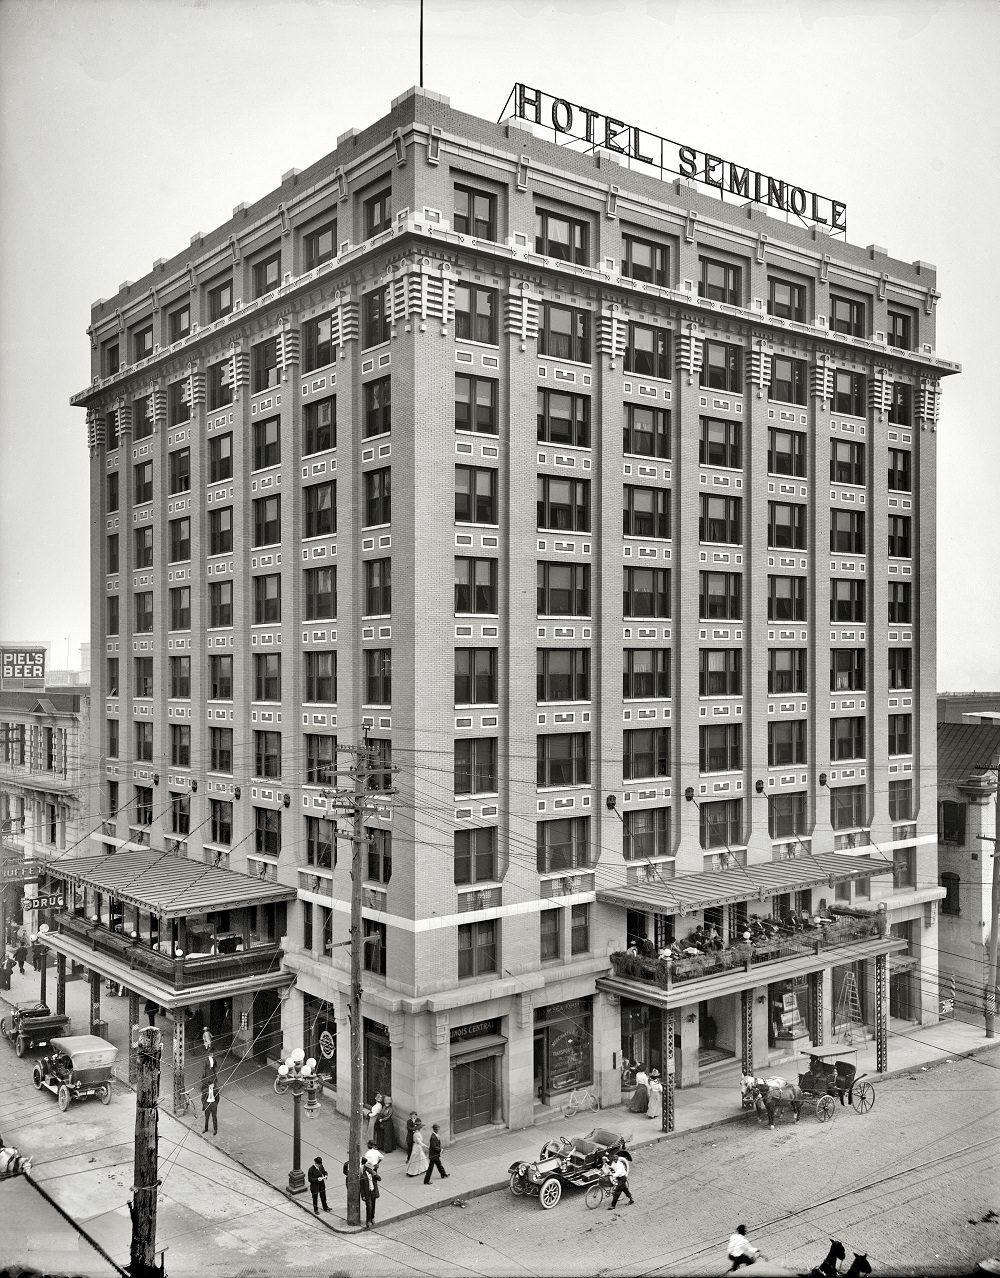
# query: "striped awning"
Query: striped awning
{"points": [[168, 885], [692, 892]]}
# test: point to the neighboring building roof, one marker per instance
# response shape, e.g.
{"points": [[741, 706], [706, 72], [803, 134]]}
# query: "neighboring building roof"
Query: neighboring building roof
{"points": [[37, 1232], [966, 749], [51, 701], [952, 707]]}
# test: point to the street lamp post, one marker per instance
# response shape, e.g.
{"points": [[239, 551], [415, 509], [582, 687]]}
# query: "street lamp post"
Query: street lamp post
{"points": [[298, 1076]]}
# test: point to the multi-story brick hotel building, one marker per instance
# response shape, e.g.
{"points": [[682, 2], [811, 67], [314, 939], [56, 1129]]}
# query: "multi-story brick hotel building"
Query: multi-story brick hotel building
{"points": [[607, 504]]}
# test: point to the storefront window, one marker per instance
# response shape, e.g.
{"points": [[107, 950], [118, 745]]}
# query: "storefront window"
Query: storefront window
{"points": [[319, 1037], [564, 1039]]}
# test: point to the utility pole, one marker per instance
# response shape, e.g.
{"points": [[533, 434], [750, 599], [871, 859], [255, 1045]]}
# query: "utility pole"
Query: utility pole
{"points": [[361, 774], [992, 974], [142, 1207]]}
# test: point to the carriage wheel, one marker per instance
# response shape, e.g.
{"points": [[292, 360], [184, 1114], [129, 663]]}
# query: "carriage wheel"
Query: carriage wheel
{"points": [[64, 1097], [516, 1183], [595, 1196], [864, 1098], [550, 1193], [825, 1108], [36, 1077], [104, 1093]]}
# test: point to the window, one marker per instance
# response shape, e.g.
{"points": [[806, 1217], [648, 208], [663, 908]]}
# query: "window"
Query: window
{"points": [[112, 439], [321, 677], [721, 823], [144, 547], [475, 213], [849, 393], [900, 668], [265, 365], [788, 380], [220, 530], [847, 599], [320, 594], [720, 672], [477, 948], [111, 685], [847, 738], [377, 212], [847, 531], [319, 509], [321, 759], [475, 495], [179, 322], [374, 946], [319, 425], [476, 766], [144, 676], [476, 404], [179, 402], [562, 674], [644, 260], [317, 343], [564, 333], [266, 521], [786, 598], [786, 743], [900, 407], [475, 859], [904, 868], [143, 482], [142, 418], [475, 585], [319, 245], [111, 358], [645, 673], [901, 800], [112, 551], [378, 497], [476, 313], [180, 608], [180, 814], [847, 670], [899, 536], [143, 805], [180, 540], [378, 407], [266, 443], [220, 458], [221, 749], [379, 855], [267, 831], [899, 603], [900, 734], [720, 747], [112, 798], [721, 520], [899, 470], [113, 738], [376, 317], [220, 604], [847, 462], [267, 754], [378, 676], [722, 367], [952, 822], [561, 237], [563, 845], [646, 753], [221, 811], [267, 598], [720, 595], [720, 443], [180, 745], [220, 678], [563, 419], [646, 834], [562, 758], [550, 926], [647, 352], [786, 814], [720, 281], [266, 274], [144, 742], [179, 475], [786, 300], [378, 587], [562, 590], [646, 511], [646, 592], [952, 903], [142, 343], [647, 431], [220, 384], [267, 676], [786, 525], [144, 611], [111, 502], [900, 330], [847, 315], [475, 676], [220, 300]]}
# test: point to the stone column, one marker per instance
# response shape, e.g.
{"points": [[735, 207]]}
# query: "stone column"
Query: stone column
{"points": [[95, 1000], [178, 1060], [61, 984], [133, 1037]]}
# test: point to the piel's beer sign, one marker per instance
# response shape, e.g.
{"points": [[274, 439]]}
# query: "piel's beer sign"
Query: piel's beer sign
{"points": [[21, 667], [597, 130]]}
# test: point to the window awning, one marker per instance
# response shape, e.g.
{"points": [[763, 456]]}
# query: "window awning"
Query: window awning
{"points": [[168, 885], [742, 883]]}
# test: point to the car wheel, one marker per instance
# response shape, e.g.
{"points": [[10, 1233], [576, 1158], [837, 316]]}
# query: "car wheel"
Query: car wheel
{"points": [[550, 1192], [64, 1097], [516, 1183], [825, 1108], [104, 1092], [36, 1077], [20, 1046]]}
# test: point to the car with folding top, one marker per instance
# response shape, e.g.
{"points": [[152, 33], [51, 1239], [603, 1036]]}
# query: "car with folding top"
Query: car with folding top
{"points": [[563, 1161], [77, 1066]]}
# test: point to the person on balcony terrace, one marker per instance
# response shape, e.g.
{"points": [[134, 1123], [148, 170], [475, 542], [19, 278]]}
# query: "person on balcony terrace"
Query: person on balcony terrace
{"points": [[646, 947], [713, 941]]}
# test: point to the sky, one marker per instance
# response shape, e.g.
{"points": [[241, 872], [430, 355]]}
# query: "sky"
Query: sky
{"points": [[128, 125]]}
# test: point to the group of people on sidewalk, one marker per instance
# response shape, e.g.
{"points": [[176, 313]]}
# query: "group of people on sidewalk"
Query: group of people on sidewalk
{"points": [[648, 1095]]}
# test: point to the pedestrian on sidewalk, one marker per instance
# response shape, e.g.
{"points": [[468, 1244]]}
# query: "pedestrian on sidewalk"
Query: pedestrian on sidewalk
{"points": [[20, 954], [369, 1190], [411, 1127], [435, 1156], [37, 953], [6, 967], [385, 1135], [740, 1250], [373, 1116], [417, 1163], [620, 1172], [655, 1096], [210, 1093], [372, 1157], [317, 1185], [206, 1039]]}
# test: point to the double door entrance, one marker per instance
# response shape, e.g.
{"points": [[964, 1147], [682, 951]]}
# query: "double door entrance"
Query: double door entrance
{"points": [[473, 1093]]}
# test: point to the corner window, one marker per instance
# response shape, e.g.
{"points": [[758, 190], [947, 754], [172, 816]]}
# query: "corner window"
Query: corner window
{"points": [[562, 237], [720, 282], [475, 212], [377, 212]]}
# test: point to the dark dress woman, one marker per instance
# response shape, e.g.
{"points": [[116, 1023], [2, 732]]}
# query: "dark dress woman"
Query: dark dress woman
{"points": [[385, 1134], [639, 1102]]}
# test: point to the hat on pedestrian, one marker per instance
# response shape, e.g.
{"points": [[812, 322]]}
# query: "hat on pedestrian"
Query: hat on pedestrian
{"points": [[654, 1073]]}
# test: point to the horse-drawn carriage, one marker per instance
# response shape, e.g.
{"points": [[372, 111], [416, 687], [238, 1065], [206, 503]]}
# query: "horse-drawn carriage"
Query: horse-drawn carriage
{"points": [[32, 1025], [826, 1080]]}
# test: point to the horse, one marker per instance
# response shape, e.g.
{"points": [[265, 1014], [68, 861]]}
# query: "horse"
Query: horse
{"points": [[830, 1267], [767, 1094]]}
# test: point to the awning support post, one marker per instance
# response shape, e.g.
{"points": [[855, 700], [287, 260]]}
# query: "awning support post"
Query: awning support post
{"points": [[668, 1114], [881, 1012], [746, 1030]]}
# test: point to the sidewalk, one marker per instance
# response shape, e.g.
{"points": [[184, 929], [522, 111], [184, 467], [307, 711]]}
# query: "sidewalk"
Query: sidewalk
{"points": [[255, 1124]]}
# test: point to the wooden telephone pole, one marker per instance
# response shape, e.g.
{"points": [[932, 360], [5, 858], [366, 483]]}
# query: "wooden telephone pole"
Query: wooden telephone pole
{"points": [[142, 1206]]}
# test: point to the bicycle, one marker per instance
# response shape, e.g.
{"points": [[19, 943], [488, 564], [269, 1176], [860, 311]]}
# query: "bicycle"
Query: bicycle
{"points": [[580, 1101], [603, 1186]]}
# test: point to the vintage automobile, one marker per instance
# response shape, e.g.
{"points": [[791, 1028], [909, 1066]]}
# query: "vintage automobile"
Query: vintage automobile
{"points": [[565, 1161], [32, 1025], [82, 1065]]}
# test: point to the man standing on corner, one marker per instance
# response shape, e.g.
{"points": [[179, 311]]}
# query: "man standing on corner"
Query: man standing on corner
{"points": [[434, 1153], [317, 1185]]}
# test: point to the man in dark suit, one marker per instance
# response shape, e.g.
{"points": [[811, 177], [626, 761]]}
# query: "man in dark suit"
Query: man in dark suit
{"points": [[434, 1155]]}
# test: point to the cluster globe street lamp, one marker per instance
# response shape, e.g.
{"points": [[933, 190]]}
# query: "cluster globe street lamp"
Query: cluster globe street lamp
{"points": [[298, 1076]]}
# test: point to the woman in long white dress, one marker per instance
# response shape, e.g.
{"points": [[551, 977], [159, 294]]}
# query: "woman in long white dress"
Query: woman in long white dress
{"points": [[417, 1163], [655, 1096]]}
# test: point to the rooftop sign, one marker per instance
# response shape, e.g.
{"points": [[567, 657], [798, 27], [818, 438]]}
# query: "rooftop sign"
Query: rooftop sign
{"points": [[21, 666], [574, 123]]}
